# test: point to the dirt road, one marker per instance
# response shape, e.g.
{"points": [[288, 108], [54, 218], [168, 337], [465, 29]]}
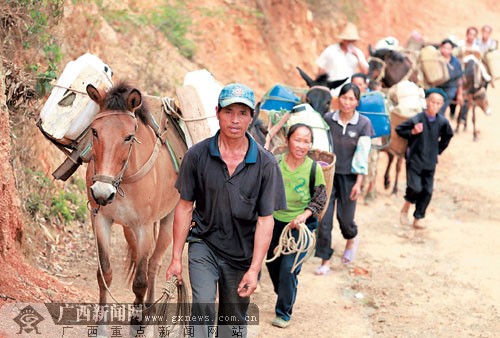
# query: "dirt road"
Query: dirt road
{"points": [[439, 282]]}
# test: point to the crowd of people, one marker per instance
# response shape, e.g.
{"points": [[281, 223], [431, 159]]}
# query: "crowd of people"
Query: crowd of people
{"points": [[236, 198]]}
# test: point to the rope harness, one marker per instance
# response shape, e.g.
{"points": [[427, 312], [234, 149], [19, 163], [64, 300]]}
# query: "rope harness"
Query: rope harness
{"points": [[305, 243]]}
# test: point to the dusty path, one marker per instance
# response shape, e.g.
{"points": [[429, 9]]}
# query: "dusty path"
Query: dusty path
{"points": [[440, 282]]}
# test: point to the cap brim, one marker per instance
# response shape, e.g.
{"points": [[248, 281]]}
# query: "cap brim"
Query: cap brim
{"points": [[242, 100]]}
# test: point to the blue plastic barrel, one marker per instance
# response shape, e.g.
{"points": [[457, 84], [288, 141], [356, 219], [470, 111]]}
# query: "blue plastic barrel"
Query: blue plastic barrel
{"points": [[279, 97], [372, 105]]}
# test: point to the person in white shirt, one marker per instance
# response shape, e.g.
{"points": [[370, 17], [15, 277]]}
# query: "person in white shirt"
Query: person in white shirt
{"points": [[486, 43], [343, 59], [469, 50]]}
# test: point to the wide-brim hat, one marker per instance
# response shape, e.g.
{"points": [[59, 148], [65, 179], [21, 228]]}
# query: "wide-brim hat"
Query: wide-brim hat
{"points": [[350, 32]]}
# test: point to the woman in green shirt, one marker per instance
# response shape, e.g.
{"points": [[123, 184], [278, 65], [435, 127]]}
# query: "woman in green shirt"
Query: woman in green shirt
{"points": [[305, 200]]}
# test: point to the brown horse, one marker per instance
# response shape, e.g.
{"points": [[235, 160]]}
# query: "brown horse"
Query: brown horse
{"points": [[130, 181]]}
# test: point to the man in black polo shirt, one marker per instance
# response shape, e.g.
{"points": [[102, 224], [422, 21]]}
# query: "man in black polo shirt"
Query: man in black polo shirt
{"points": [[236, 185]]}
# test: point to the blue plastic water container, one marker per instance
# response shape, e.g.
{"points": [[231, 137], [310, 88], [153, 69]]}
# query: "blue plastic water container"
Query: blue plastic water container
{"points": [[279, 97], [372, 105]]}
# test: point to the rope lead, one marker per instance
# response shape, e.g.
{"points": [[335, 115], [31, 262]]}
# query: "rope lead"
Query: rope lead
{"points": [[305, 243]]}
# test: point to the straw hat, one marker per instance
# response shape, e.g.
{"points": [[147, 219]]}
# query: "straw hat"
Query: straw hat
{"points": [[350, 32]]}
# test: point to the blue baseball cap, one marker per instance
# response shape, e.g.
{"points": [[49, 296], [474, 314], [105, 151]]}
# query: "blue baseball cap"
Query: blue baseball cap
{"points": [[237, 93]]}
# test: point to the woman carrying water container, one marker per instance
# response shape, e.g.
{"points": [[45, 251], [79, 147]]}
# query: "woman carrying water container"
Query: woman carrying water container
{"points": [[305, 190], [351, 134]]}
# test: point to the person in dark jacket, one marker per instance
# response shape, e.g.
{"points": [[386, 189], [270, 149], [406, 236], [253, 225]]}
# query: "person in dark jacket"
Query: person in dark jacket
{"points": [[453, 87], [428, 134]]}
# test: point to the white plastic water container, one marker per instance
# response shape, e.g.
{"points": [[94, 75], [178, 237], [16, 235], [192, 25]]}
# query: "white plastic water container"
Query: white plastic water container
{"points": [[304, 113], [208, 89], [68, 110], [411, 98]]}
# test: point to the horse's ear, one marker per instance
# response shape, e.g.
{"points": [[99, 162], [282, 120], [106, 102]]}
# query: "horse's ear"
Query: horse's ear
{"points": [[134, 100], [306, 77], [94, 93], [370, 50], [336, 83]]}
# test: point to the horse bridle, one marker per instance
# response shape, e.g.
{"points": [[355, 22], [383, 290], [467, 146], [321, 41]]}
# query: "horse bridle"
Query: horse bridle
{"points": [[382, 71], [116, 180]]}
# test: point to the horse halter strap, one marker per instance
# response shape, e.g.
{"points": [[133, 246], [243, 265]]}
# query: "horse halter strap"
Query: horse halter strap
{"points": [[115, 181], [325, 88]]}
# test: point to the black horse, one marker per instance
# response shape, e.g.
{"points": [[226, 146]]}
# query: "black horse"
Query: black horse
{"points": [[389, 66], [319, 95]]}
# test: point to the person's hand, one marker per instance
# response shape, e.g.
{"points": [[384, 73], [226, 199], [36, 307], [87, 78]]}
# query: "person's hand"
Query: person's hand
{"points": [[417, 129], [175, 269], [248, 284], [351, 49], [355, 192], [460, 99], [295, 224]]}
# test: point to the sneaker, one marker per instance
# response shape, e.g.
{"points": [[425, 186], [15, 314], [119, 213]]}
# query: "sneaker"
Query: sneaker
{"points": [[280, 322], [322, 270]]}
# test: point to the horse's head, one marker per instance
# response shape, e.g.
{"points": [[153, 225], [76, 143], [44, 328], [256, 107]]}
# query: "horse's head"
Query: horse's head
{"points": [[472, 78], [319, 95], [387, 66], [481, 100], [113, 133]]}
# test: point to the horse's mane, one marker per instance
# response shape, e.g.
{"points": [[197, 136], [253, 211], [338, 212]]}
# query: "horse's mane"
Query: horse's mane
{"points": [[116, 99]]}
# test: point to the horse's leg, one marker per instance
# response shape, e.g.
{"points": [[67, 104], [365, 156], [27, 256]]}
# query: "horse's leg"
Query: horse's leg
{"points": [[131, 254], [161, 244], [474, 131], [145, 241], [387, 179], [399, 162], [102, 231]]}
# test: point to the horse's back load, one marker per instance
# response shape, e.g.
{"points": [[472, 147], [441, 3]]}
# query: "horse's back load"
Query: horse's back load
{"points": [[66, 116], [434, 66], [407, 100], [68, 110], [279, 97], [407, 96], [492, 59], [372, 105]]}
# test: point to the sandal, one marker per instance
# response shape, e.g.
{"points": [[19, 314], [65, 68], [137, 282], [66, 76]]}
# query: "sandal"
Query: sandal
{"points": [[322, 270], [350, 254]]}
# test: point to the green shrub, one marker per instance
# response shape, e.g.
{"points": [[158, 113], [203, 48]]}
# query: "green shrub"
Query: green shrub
{"points": [[174, 22]]}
